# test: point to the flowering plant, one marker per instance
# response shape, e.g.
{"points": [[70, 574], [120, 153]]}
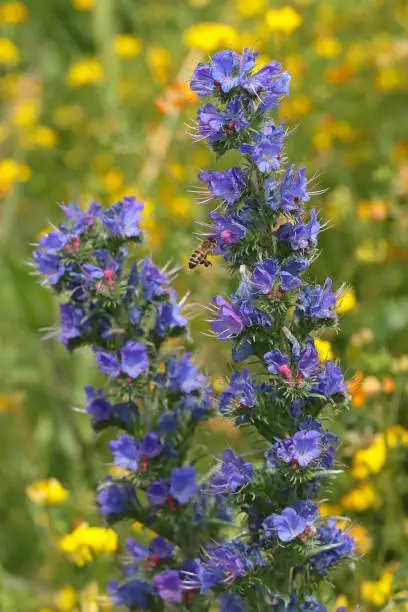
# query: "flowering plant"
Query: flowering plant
{"points": [[127, 313]]}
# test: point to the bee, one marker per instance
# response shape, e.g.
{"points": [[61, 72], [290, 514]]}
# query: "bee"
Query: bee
{"points": [[200, 255]]}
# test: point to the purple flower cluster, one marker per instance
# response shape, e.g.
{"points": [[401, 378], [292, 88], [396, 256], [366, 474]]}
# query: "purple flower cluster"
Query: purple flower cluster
{"points": [[262, 229]]}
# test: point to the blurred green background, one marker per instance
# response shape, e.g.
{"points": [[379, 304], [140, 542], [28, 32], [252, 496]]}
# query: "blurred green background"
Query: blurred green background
{"points": [[94, 102]]}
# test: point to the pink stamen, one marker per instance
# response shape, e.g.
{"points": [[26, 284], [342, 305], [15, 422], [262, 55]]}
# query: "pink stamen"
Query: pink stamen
{"points": [[285, 371], [145, 463], [227, 237], [171, 503]]}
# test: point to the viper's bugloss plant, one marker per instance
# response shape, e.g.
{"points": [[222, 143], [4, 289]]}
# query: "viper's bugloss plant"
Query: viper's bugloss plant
{"points": [[285, 393], [152, 400]]}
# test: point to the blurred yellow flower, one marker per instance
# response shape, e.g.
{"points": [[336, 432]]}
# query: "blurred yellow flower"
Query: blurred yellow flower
{"points": [[295, 64], [11, 172], [139, 528], [356, 390], [84, 540], [12, 13], [341, 602], [87, 71], [180, 207], [396, 434], [359, 499], [252, 8], [327, 47], [67, 115], [65, 598], [326, 509], [11, 401], [219, 384], [285, 20], [113, 180], [389, 78], [361, 537], [377, 592], [47, 492], [211, 36], [295, 108], [376, 210], [346, 301], [322, 140], [372, 250], [83, 5], [159, 60], [369, 460], [25, 112], [324, 349], [127, 46], [9, 54], [44, 136]]}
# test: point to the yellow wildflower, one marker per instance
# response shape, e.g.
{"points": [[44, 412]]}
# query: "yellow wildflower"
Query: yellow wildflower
{"points": [[250, 9], [45, 136], [87, 71], [322, 140], [324, 349], [127, 46], [11, 401], [341, 601], [377, 592], [83, 5], [285, 20], [211, 36], [326, 509], [9, 54], [327, 47], [396, 434], [219, 384], [159, 60], [66, 598], [346, 301], [370, 460], [25, 113], [362, 539], [113, 180], [47, 492], [84, 540], [356, 390], [359, 499], [180, 207], [67, 115], [12, 13], [141, 529], [376, 210], [388, 78], [295, 108]]}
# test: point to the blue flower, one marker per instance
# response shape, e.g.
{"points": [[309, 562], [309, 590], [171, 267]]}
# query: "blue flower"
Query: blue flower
{"points": [[222, 561], [232, 603], [228, 322], [71, 322], [133, 594], [300, 235], [305, 447], [134, 358], [264, 275], [168, 317], [318, 302], [183, 375], [340, 542], [277, 363], [331, 380], [183, 484], [151, 445], [137, 550], [287, 526], [227, 231], [107, 362], [202, 81], [157, 493], [228, 185], [123, 218], [210, 123], [53, 242], [292, 189], [241, 391], [126, 452], [308, 359], [278, 88], [266, 148], [152, 280], [233, 474], [115, 499], [168, 421], [161, 548], [169, 586], [50, 266], [98, 407]]}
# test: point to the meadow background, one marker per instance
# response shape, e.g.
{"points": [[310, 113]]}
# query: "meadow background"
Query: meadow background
{"points": [[94, 100]]}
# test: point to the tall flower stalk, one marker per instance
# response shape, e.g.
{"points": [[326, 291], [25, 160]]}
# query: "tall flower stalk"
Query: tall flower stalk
{"points": [[283, 392]]}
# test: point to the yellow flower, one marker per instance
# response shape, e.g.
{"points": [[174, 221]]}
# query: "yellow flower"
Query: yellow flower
{"points": [[159, 60], [11, 172], [388, 78], [48, 492], [66, 598], [84, 540], [324, 349], [329, 510], [250, 9], [359, 499], [346, 301], [113, 180], [141, 529], [45, 136], [180, 207], [362, 539], [25, 113], [12, 13], [127, 46], [9, 54], [372, 250], [219, 384], [211, 36], [377, 592], [83, 5], [356, 390], [295, 108], [327, 47], [285, 20], [396, 434], [370, 460], [85, 72], [322, 140], [67, 115], [376, 210], [341, 601], [11, 401]]}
